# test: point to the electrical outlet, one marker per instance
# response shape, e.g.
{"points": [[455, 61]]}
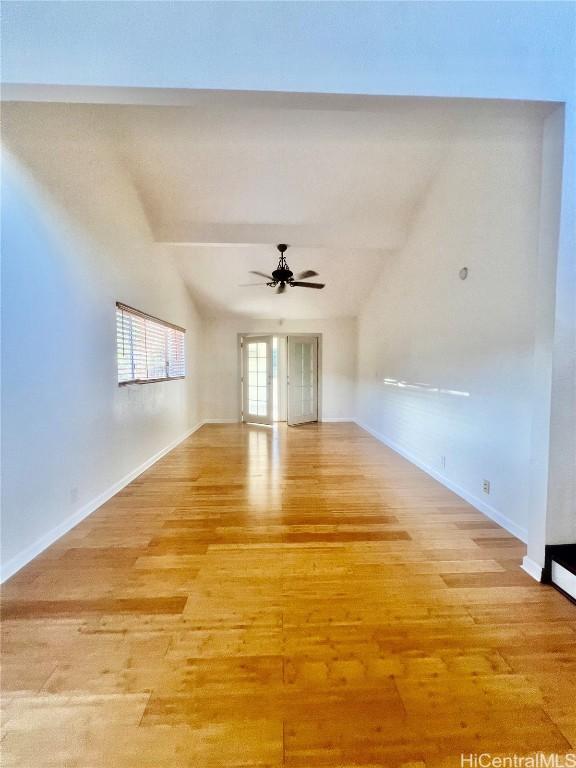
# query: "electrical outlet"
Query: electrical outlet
{"points": [[486, 486], [443, 462]]}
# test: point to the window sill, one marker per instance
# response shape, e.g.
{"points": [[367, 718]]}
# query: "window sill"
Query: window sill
{"points": [[149, 381]]}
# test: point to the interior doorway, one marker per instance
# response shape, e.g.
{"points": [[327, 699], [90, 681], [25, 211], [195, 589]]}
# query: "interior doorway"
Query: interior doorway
{"points": [[279, 378]]}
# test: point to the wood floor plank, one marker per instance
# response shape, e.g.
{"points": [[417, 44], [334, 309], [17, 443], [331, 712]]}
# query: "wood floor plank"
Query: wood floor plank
{"points": [[22, 609], [289, 597]]}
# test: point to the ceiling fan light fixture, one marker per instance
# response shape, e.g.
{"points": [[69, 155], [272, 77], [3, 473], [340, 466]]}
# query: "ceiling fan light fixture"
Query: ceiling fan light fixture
{"points": [[283, 275]]}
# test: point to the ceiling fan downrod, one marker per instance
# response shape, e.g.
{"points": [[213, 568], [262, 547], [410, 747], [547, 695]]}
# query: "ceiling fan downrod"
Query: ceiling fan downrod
{"points": [[282, 274]]}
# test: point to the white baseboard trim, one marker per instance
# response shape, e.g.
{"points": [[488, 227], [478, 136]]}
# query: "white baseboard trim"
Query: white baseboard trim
{"points": [[33, 550], [221, 421], [532, 568], [477, 503], [563, 579], [347, 419]]}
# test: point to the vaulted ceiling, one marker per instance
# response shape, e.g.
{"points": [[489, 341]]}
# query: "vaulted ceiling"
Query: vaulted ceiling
{"points": [[222, 182], [303, 176], [221, 281]]}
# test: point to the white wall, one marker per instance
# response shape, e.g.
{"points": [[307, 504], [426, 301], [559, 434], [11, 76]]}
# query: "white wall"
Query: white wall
{"points": [[542, 486], [69, 432], [220, 373], [561, 518], [521, 50], [464, 347], [515, 50]]}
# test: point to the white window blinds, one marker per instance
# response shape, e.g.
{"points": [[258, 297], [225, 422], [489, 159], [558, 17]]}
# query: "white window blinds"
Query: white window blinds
{"points": [[148, 349]]}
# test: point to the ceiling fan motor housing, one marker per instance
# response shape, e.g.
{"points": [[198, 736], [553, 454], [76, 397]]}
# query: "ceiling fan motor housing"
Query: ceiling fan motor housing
{"points": [[282, 274]]}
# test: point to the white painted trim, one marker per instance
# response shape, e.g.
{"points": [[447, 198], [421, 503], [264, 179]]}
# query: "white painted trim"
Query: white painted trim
{"points": [[532, 568], [563, 579], [479, 504], [347, 419], [246, 335], [220, 421], [23, 558]]}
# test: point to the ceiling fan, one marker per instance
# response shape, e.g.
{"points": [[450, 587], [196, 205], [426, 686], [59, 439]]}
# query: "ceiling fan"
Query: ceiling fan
{"points": [[282, 276]]}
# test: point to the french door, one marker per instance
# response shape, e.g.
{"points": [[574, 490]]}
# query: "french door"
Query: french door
{"points": [[257, 379], [302, 379]]}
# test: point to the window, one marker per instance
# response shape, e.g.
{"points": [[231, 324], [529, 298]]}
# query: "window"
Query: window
{"points": [[148, 349]]}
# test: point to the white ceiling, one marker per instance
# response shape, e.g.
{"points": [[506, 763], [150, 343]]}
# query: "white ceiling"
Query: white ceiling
{"points": [[220, 280], [221, 182], [306, 177]]}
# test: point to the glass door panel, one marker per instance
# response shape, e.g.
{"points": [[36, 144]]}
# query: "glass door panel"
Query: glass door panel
{"points": [[257, 379], [303, 379]]}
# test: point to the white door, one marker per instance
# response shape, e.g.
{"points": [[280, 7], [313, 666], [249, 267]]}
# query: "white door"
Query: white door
{"points": [[257, 379], [302, 379]]}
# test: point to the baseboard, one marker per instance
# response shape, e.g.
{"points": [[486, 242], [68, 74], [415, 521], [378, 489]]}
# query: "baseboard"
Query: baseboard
{"points": [[33, 550], [564, 580], [532, 568], [477, 503], [220, 421], [347, 419]]}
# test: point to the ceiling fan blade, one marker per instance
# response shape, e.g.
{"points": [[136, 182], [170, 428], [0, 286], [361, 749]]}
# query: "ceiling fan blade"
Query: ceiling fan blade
{"points": [[307, 273], [308, 285], [261, 274], [281, 288], [248, 285]]}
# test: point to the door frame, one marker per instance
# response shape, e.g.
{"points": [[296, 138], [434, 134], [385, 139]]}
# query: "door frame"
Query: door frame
{"points": [[284, 334], [304, 338]]}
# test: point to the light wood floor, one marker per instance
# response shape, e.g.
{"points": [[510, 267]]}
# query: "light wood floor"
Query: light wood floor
{"points": [[299, 597]]}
